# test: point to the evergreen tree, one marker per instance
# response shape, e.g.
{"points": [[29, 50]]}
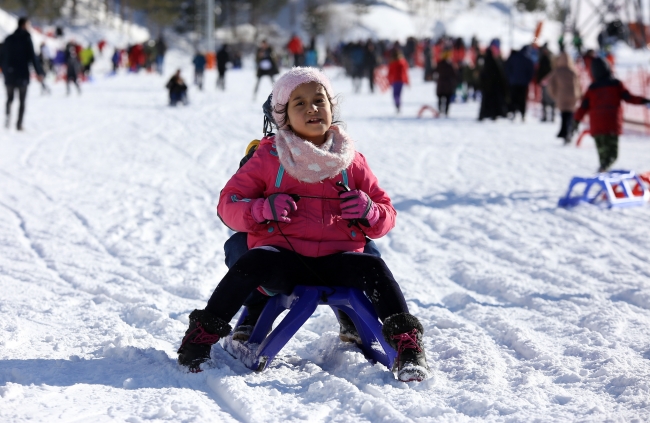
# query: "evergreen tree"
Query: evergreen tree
{"points": [[531, 5], [47, 10], [316, 17]]}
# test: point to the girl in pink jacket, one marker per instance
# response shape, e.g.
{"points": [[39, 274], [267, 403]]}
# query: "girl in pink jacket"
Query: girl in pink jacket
{"points": [[307, 200]]}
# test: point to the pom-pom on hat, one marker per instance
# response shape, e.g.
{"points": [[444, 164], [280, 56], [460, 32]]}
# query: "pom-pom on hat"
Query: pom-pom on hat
{"points": [[288, 82]]}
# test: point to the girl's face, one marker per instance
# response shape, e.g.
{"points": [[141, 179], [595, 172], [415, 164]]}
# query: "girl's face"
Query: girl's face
{"points": [[310, 112]]}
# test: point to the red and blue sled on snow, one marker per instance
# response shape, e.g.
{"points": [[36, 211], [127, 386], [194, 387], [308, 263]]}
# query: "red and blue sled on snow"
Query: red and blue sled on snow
{"points": [[616, 188]]}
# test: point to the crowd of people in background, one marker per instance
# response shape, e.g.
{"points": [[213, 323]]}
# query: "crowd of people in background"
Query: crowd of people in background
{"points": [[503, 87], [148, 56], [461, 71]]}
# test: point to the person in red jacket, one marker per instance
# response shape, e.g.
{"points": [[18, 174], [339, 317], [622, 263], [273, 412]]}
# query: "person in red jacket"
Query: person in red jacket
{"points": [[398, 76], [603, 102], [312, 162], [296, 48]]}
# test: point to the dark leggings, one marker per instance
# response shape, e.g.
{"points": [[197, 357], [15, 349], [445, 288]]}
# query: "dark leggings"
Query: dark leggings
{"points": [[397, 94], [443, 104], [566, 125], [518, 97], [22, 94], [280, 270], [237, 245], [607, 150], [257, 84]]}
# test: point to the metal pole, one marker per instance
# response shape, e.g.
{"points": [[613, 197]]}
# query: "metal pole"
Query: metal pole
{"points": [[209, 26], [639, 17], [512, 26]]}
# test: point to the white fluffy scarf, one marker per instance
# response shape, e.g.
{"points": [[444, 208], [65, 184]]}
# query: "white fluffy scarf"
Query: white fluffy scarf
{"points": [[310, 163]]}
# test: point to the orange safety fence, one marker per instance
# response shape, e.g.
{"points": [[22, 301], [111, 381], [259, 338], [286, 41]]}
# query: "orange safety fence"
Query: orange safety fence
{"points": [[637, 82], [211, 60], [381, 78]]}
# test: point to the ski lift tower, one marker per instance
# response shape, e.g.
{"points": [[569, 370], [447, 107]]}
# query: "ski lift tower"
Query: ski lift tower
{"points": [[209, 26]]}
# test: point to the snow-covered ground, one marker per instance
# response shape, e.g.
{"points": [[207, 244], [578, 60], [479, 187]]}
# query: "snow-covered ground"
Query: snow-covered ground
{"points": [[109, 237]]}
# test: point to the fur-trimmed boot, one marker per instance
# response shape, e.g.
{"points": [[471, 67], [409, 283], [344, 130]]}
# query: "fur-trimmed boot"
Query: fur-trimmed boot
{"points": [[204, 331], [404, 333], [243, 332], [347, 331]]}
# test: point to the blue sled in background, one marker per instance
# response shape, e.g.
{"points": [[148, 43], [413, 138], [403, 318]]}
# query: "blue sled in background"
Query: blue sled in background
{"points": [[616, 188]]}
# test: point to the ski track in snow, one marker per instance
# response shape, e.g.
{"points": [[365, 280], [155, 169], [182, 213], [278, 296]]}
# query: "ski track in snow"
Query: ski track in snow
{"points": [[109, 237]]}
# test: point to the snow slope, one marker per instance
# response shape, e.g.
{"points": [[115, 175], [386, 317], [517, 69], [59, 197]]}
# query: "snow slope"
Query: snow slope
{"points": [[486, 20], [109, 238], [113, 30]]}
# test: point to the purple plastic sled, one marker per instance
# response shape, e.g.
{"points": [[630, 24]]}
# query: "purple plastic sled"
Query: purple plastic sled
{"points": [[260, 349]]}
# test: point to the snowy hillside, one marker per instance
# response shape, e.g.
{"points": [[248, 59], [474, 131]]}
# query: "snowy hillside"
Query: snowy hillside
{"points": [[485, 20], [109, 238], [114, 31]]}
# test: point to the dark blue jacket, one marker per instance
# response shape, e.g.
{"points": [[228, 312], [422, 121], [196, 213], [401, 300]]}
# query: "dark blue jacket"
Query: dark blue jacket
{"points": [[519, 68], [18, 54], [199, 62]]}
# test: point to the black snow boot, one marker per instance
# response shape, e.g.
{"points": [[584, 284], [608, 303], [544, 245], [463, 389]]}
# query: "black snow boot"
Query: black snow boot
{"points": [[204, 331], [243, 332], [404, 333], [347, 331]]}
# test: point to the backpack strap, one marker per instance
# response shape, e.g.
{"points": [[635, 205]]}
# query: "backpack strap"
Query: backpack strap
{"points": [[252, 146], [250, 150]]}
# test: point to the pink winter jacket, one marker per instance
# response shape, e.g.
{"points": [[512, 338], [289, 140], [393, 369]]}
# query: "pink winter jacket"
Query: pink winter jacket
{"points": [[316, 228]]}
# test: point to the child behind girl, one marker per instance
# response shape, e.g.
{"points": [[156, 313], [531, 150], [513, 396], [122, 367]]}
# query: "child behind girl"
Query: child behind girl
{"points": [[318, 241], [603, 103]]}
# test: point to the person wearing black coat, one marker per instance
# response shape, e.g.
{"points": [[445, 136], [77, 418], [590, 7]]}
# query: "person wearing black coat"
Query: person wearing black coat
{"points": [[266, 64], [494, 88], [2, 52], [73, 68], [370, 63], [519, 69], [18, 54], [223, 57], [543, 70], [177, 89], [447, 81]]}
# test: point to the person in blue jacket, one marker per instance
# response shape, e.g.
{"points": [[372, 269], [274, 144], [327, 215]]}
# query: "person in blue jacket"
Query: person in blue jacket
{"points": [[519, 71], [199, 67], [18, 54]]}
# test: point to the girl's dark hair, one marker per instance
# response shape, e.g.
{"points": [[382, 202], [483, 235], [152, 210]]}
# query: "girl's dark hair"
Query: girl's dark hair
{"points": [[282, 109]]}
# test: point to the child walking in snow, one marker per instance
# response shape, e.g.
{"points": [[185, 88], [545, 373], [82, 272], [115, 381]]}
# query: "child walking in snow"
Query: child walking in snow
{"points": [[310, 242], [603, 102], [398, 76]]}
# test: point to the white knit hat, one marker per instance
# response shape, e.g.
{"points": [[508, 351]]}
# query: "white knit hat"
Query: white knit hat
{"points": [[288, 82]]}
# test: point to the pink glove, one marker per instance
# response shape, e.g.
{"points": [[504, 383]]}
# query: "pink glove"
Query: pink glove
{"points": [[277, 207], [357, 205]]}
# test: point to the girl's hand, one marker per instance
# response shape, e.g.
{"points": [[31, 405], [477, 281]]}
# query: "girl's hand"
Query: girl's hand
{"points": [[277, 207], [357, 205]]}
